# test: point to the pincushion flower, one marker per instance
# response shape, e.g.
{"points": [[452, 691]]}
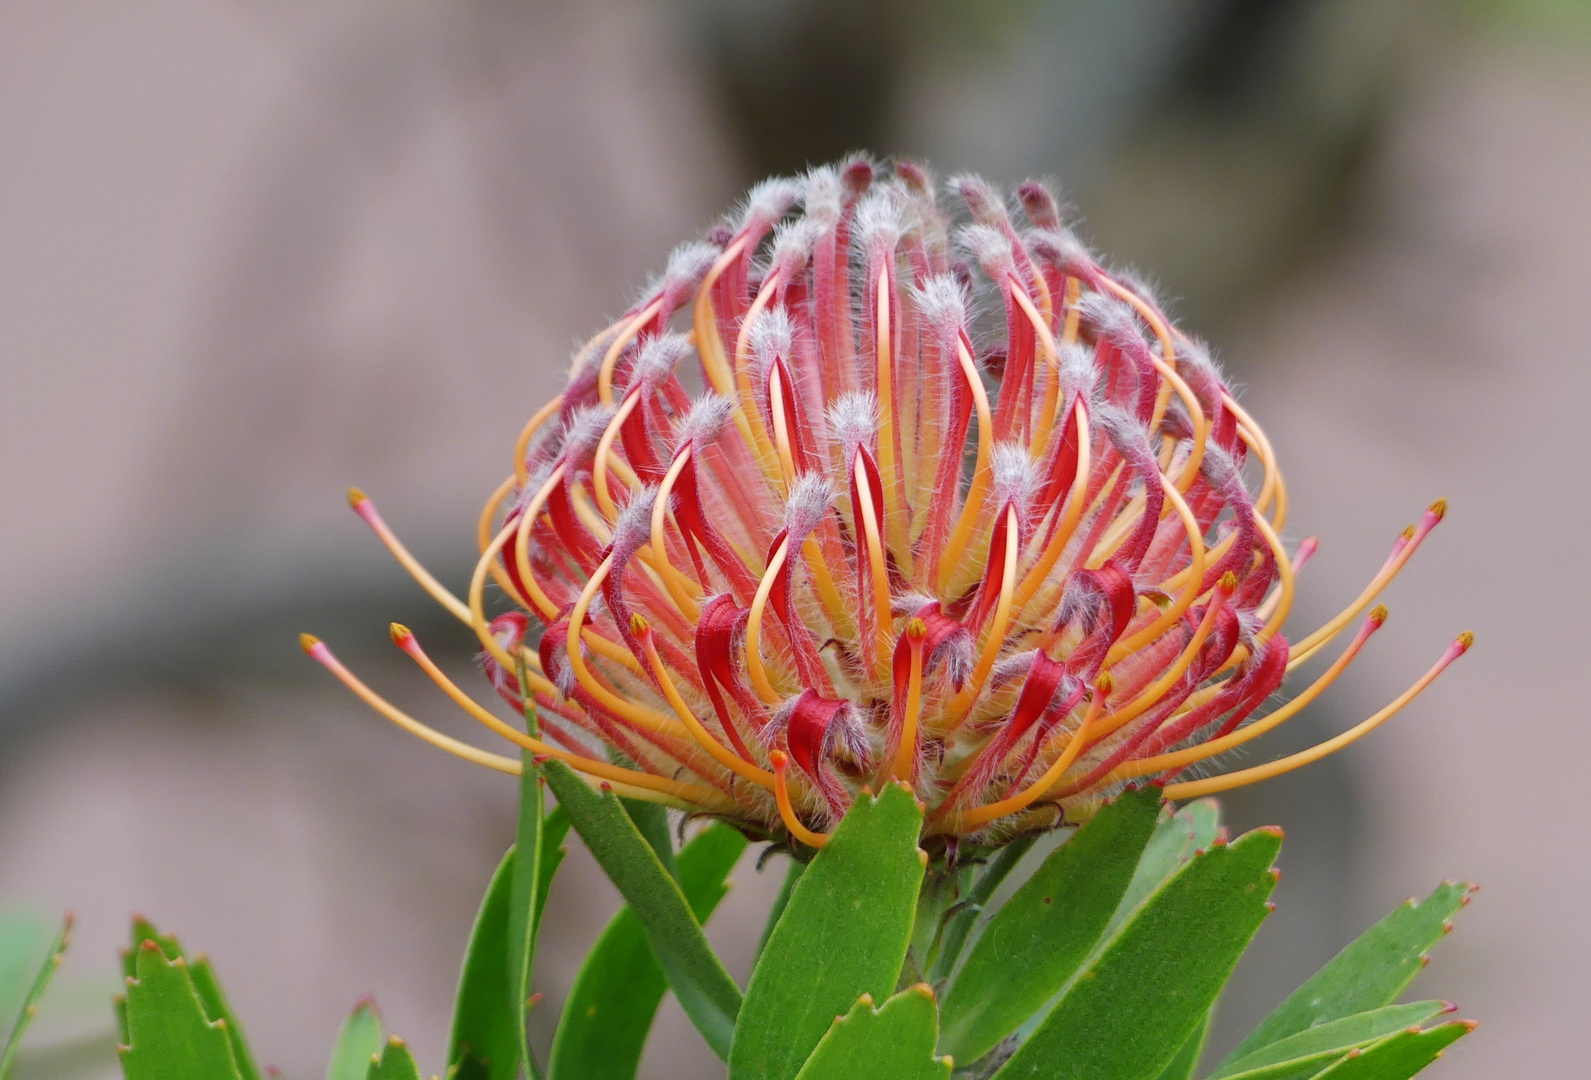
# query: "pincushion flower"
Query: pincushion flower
{"points": [[857, 493]]}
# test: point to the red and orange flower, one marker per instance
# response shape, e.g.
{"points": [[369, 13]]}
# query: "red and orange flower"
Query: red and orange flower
{"points": [[861, 490]]}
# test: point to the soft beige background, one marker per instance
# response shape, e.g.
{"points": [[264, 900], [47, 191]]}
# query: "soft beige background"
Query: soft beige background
{"points": [[253, 252]]}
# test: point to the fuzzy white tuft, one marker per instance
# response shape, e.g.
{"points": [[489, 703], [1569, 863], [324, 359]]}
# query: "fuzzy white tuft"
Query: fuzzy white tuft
{"points": [[943, 303], [1113, 318], [659, 357], [880, 219], [853, 418], [1012, 668], [792, 244], [688, 264], [824, 199], [707, 417], [770, 200], [1013, 476], [633, 527], [910, 603], [771, 336], [534, 480], [1121, 428], [810, 498], [1062, 248], [1218, 467], [1078, 373], [983, 202], [990, 247], [583, 431]]}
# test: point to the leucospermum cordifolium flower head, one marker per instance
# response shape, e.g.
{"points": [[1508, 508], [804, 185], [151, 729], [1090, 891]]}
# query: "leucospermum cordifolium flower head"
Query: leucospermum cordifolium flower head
{"points": [[878, 482]]}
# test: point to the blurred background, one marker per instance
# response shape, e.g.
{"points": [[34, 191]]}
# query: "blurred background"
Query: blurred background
{"points": [[254, 251]]}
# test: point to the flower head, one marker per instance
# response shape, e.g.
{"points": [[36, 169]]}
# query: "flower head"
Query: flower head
{"points": [[855, 493]]}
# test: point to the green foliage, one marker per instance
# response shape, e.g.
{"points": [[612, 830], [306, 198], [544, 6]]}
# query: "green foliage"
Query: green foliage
{"points": [[18, 941], [1399, 1056], [202, 982], [843, 934], [610, 1008], [1368, 974], [1193, 828], [357, 1042], [168, 1035], [700, 984], [394, 1063], [217, 1008], [554, 827], [892, 1043], [1030, 948], [489, 1039], [1314, 1048], [1104, 964], [484, 1044], [1182, 1066], [524, 901], [791, 876], [1128, 1011], [961, 916]]}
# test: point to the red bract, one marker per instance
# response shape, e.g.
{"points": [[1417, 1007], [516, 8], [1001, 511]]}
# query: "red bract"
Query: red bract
{"points": [[895, 498]]}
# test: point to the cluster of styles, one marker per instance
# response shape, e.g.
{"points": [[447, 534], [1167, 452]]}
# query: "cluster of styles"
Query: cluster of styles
{"points": [[858, 492]]}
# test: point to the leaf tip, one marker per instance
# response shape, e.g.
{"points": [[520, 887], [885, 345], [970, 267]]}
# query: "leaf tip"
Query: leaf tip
{"points": [[922, 989]]}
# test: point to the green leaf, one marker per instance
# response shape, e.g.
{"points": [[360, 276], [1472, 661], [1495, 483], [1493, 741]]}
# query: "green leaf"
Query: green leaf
{"points": [[554, 827], [169, 1037], [34, 992], [394, 1063], [651, 821], [1130, 1009], [523, 902], [25, 938], [485, 1043], [954, 936], [216, 1007], [615, 996], [1187, 1059], [1369, 973], [1192, 828], [703, 988], [1314, 1048], [144, 930], [843, 934], [791, 876], [201, 976], [1033, 944], [892, 1043], [357, 1042], [1399, 1056]]}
